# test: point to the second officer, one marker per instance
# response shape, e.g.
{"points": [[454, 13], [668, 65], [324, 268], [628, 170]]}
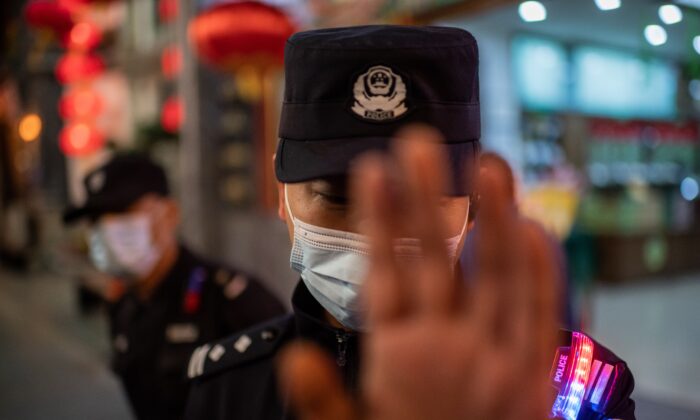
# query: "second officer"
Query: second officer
{"points": [[168, 299]]}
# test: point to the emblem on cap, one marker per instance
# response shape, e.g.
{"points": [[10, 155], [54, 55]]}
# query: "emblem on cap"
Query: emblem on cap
{"points": [[380, 94], [96, 182]]}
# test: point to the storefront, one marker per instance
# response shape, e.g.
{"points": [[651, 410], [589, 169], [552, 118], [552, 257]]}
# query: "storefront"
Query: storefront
{"points": [[603, 129]]}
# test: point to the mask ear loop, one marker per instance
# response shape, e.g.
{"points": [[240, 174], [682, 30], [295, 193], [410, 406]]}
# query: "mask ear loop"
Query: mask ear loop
{"points": [[460, 236], [286, 204], [466, 223]]}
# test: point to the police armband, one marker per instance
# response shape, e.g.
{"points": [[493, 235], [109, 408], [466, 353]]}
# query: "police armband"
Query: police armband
{"points": [[589, 381]]}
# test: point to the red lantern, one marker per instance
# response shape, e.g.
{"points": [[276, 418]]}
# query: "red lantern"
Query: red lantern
{"points": [[167, 10], [172, 115], [73, 67], [74, 4], [50, 16], [79, 103], [171, 61], [80, 139], [247, 32], [84, 36]]}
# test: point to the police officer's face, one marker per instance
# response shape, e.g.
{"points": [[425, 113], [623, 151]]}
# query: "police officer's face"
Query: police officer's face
{"points": [[325, 203], [163, 215]]}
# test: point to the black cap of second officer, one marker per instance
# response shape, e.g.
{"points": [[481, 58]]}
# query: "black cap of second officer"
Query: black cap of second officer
{"points": [[349, 90], [116, 185]]}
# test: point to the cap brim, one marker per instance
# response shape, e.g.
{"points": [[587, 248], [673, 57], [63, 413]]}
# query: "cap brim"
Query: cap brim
{"points": [[92, 210], [299, 161]]}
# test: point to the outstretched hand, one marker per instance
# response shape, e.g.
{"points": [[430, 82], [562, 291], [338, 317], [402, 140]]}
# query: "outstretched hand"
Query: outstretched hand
{"points": [[435, 349]]}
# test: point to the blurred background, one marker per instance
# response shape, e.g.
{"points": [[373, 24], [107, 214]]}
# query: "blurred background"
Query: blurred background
{"points": [[596, 105]]}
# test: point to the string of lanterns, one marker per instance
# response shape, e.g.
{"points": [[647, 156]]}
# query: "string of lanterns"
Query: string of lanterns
{"points": [[80, 105]]}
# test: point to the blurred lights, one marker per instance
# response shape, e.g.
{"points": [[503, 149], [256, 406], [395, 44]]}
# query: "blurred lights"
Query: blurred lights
{"points": [[167, 10], [79, 103], [172, 115], [670, 14], [73, 67], [29, 127], [230, 35], [85, 36], [655, 35], [694, 89], [532, 11], [696, 44], [171, 61], [79, 139], [690, 189], [49, 15], [608, 4]]}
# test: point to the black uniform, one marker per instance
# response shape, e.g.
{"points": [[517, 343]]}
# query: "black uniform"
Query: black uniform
{"points": [[240, 382], [152, 341], [349, 91]]}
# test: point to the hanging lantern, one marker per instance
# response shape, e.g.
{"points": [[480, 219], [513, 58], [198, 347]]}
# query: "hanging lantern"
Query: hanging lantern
{"points": [[73, 67], [167, 10], [84, 36], [229, 35], [79, 103], [49, 15], [80, 139], [75, 4], [172, 114], [171, 61]]}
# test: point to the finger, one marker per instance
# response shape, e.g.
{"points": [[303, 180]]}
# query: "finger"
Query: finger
{"points": [[497, 253], [547, 280], [309, 378], [422, 163], [371, 190], [538, 304]]}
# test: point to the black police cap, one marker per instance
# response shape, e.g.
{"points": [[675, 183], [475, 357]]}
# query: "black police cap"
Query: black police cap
{"points": [[116, 185], [349, 90]]}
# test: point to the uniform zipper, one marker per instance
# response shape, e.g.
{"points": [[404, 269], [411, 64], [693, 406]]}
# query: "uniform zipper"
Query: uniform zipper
{"points": [[342, 339]]}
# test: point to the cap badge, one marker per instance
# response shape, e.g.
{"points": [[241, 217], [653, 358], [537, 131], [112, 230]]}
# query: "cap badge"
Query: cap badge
{"points": [[97, 181], [380, 94]]}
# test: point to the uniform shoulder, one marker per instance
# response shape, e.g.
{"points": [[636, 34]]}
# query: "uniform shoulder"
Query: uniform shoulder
{"points": [[231, 282], [255, 343]]}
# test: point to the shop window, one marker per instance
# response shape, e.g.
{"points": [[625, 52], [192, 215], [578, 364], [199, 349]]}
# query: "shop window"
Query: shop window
{"points": [[622, 85]]}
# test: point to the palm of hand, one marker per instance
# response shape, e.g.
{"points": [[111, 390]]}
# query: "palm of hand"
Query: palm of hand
{"points": [[436, 351]]}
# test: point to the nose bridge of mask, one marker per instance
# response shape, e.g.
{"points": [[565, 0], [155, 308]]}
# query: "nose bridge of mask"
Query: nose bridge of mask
{"points": [[337, 240], [331, 239], [453, 242]]}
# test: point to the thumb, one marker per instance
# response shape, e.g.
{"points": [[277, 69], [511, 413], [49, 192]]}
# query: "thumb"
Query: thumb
{"points": [[309, 379]]}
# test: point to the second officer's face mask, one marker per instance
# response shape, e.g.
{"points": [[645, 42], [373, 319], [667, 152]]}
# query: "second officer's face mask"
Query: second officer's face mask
{"points": [[333, 265], [123, 246]]}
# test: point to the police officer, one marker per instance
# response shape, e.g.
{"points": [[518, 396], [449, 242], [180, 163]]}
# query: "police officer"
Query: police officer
{"points": [[429, 349], [171, 300]]}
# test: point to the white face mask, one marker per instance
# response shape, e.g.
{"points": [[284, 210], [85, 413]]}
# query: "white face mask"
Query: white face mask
{"points": [[123, 247], [333, 265]]}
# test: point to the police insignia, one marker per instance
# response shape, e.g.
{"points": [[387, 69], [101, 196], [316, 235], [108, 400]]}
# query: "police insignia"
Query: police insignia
{"points": [[96, 182], [380, 94]]}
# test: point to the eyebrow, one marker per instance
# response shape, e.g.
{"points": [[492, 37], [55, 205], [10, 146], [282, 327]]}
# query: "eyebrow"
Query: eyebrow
{"points": [[336, 185]]}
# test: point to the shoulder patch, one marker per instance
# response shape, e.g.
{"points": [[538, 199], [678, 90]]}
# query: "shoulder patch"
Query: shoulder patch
{"points": [[252, 344], [222, 277], [236, 286]]}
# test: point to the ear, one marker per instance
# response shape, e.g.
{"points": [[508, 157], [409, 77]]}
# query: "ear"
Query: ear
{"points": [[281, 197], [172, 212]]}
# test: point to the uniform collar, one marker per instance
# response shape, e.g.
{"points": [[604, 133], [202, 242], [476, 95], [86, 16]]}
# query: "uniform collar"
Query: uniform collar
{"points": [[174, 280], [312, 325], [310, 315]]}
